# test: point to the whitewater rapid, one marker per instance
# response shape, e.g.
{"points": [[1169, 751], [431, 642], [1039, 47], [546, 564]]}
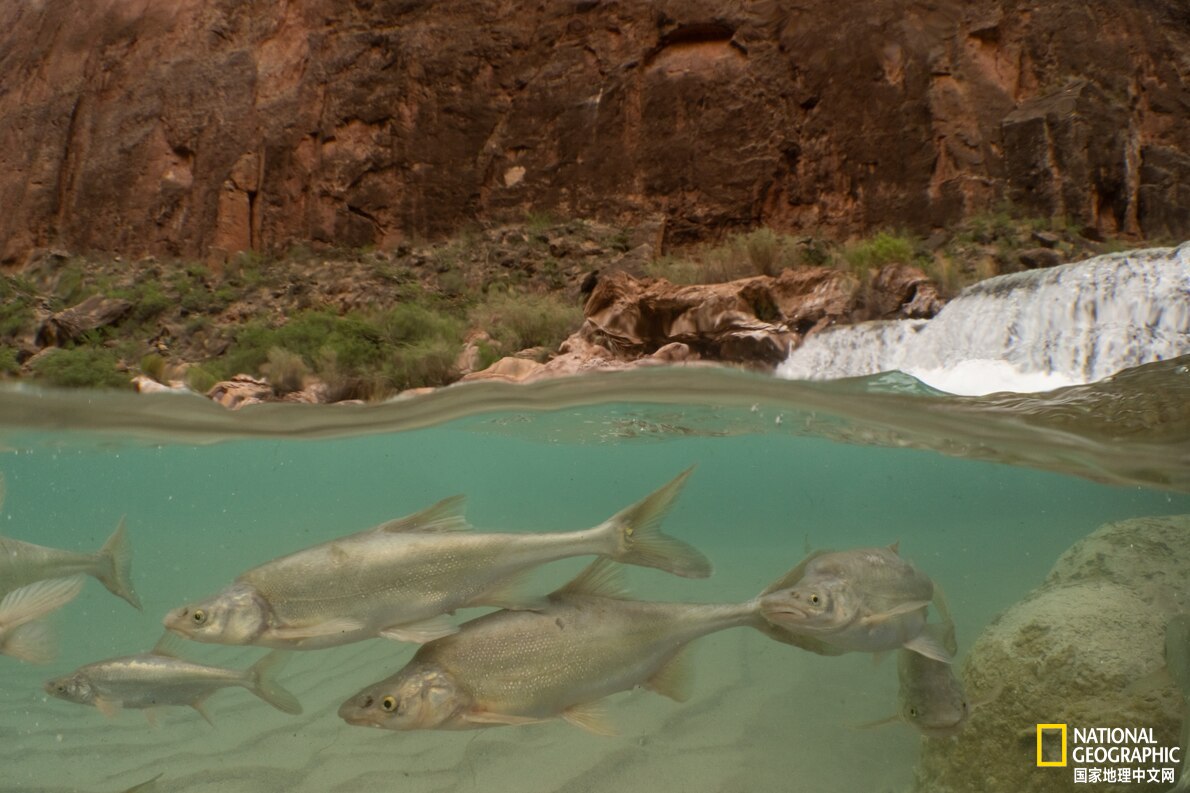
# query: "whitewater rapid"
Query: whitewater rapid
{"points": [[1026, 332]]}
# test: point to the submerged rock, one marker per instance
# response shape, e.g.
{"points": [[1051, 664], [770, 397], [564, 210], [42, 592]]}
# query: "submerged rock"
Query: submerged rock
{"points": [[1077, 651]]}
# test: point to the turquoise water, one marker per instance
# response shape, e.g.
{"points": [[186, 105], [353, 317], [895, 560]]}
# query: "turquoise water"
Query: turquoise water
{"points": [[763, 716]]}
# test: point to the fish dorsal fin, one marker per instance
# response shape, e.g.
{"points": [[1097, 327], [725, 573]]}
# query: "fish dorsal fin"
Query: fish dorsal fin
{"points": [[675, 679], [446, 515], [168, 646], [591, 717], [601, 578], [896, 547], [794, 575], [512, 593]]}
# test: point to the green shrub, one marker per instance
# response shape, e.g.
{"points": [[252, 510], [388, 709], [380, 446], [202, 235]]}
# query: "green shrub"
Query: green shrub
{"points": [[882, 249], [286, 370], [153, 365], [430, 362], [408, 323], [16, 309], [199, 379], [521, 321], [8, 361], [80, 367]]}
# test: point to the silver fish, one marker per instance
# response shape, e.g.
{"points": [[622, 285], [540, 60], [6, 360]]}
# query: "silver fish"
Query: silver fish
{"points": [[933, 699], [157, 678], [865, 600], [23, 563], [22, 636], [400, 579], [519, 667]]}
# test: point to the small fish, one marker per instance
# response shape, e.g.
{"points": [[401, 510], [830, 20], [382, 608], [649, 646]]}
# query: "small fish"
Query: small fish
{"points": [[400, 579], [159, 677], [23, 563], [863, 600], [20, 635], [932, 696], [521, 667]]}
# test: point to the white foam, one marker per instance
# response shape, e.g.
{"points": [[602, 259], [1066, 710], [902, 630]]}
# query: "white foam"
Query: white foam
{"points": [[1031, 331]]}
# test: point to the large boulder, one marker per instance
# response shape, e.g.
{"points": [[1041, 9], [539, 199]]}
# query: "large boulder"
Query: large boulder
{"points": [[1085, 648]]}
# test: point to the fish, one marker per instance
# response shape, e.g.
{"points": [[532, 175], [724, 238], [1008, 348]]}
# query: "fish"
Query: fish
{"points": [[559, 662], [933, 699], [22, 635], [400, 579], [862, 600], [158, 678], [23, 563]]}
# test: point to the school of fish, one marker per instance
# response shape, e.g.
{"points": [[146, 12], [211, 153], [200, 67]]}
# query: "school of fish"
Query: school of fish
{"points": [[534, 659]]}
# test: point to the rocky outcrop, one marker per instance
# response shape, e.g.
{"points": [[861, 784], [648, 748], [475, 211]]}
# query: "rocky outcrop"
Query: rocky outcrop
{"points": [[751, 321], [1082, 649], [73, 323], [194, 126]]}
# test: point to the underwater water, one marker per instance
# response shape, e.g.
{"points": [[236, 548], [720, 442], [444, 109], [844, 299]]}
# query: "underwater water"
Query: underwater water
{"points": [[983, 495]]}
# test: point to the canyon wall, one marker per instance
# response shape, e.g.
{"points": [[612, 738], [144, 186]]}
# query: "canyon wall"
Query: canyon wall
{"points": [[190, 127]]}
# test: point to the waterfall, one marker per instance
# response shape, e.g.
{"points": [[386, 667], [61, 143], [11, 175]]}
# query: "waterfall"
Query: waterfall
{"points": [[1029, 331]]}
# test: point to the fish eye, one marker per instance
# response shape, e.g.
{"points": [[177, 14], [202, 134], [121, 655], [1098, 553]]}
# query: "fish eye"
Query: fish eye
{"points": [[389, 704], [913, 712], [199, 616], [814, 599]]}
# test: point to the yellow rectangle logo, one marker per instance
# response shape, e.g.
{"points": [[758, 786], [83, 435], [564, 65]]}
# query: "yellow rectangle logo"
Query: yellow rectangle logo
{"points": [[1041, 763]]}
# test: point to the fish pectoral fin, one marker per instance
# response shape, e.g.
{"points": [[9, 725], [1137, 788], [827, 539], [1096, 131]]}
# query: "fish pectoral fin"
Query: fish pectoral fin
{"points": [[867, 725], [169, 646], [926, 645], [328, 628], [511, 593], [446, 515], [675, 679], [108, 707], [878, 657], [591, 717], [422, 631], [38, 599], [488, 717], [896, 611], [151, 717]]}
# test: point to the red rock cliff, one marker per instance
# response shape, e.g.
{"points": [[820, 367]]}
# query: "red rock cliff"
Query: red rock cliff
{"points": [[179, 126]]}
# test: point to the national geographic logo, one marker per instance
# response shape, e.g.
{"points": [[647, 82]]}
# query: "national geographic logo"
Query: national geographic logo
{"points": [[1051, 745], [1107, 754]]}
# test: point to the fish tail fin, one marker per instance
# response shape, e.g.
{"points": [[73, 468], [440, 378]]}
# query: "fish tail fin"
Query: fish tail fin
{"points": [[33, 643], [115, 566], [638, 538], [261, 682]]}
